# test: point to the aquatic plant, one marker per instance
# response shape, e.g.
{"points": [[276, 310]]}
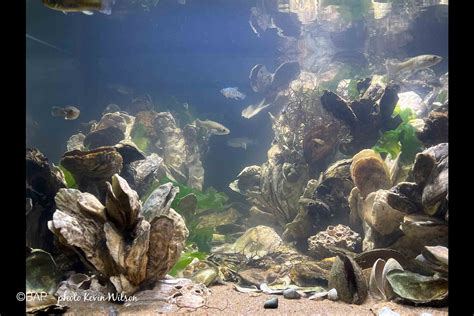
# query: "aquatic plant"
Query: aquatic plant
{"points": [[139, 137], [70, 181], [210, 199], [186, 258], [401, 140]]}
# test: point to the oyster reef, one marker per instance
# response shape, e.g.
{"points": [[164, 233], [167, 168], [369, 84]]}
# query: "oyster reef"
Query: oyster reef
{"points": [[292, 155]]}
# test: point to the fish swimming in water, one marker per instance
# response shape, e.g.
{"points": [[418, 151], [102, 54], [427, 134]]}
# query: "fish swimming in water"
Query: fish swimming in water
{"points": [[124, 90], [270, 85], [233, 93], [213, 127], [68, 112], [85, 6], [411, 65], [240, 142]]}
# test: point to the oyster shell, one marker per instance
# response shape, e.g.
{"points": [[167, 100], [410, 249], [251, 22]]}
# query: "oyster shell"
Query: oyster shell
{"points": [[418, 288], [369, 172], [348, 279], [91, 169], [103, 137]]}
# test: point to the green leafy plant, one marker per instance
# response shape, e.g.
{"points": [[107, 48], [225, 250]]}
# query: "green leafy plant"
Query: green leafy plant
{"points": [[139, 137], [210, 199], [185, 259], [70, 181], [207, 200], [401, 140]]}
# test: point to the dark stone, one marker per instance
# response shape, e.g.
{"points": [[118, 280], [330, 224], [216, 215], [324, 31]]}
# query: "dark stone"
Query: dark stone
{"points": [[104, 137], [42, 184], [271, 303], [388, 101], [347, 278], [338, 107], [291, 294], [435, 130]]}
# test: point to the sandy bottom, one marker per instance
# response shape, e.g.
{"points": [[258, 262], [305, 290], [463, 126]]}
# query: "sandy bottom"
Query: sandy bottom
{"points": [[224, 300]]}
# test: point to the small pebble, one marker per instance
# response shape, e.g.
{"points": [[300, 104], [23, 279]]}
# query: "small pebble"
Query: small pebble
{"points": [[271, 303], [387, 312], [291, 294], [332, 295], [319, 296], [426, 314]]}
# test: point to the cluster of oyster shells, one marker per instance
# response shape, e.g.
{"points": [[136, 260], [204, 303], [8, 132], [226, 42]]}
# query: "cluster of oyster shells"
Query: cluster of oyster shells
{"points": [[119, 239]]}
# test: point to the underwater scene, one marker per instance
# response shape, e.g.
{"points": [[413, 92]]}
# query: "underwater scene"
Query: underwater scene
{"points": [[237, 157]]}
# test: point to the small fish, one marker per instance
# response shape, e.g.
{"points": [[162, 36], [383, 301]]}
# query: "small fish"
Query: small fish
{"points": [[240, 142], [213, 127], [120, 88], [68, 112], [412, 64], [233, 93], [85, 6]]}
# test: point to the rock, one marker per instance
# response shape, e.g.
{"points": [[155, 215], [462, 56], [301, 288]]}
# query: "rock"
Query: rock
{"points": [[436, 255], [247, 180], [76, 141], [339, 236], [338, 107], [206, 276], [229, 216], [91, 169], [405, 197], [348, 280], [379, 215], [385, 311], [435, 130], [120, 120], [369, 172], [388, 101], [255, 243], [320, 296], [422, 167], [43, 180], [291, 294], [319, 142], [136, 250], [42, 274], [271, 303], [159, 201], [436, 189], [108, 136], [418, 289], [111, 108], [129, 152], [142, 173], [332, 295], [424, 231]]}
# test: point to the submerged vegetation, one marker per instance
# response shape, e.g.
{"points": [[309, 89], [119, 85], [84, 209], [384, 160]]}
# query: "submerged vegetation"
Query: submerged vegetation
{"points": [[70, 181], [139, 137], [402, 140]]}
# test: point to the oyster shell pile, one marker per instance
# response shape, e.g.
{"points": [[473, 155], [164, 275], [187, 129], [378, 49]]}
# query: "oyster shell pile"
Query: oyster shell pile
{"points": [[139, 246]]}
